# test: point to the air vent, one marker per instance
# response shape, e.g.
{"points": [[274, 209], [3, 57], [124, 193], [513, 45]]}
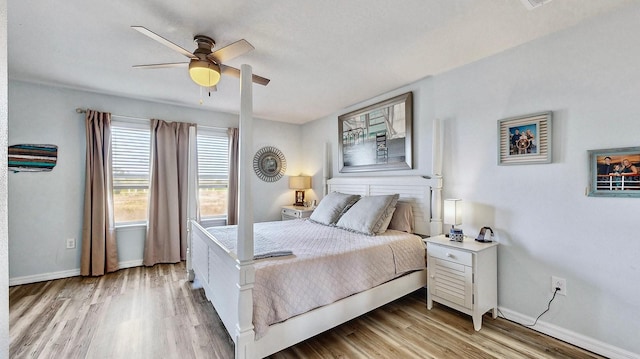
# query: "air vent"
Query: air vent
{"points": [[532, 4]]}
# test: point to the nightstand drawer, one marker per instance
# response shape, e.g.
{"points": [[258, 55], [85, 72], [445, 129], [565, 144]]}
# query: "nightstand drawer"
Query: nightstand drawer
{"points": [[294, 212], [291, 213], [450, 254]]}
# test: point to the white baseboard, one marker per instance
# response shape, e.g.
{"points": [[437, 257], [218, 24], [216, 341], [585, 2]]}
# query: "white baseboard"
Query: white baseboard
{"points": [[130, 264], [43, 277], [63, 274], [568, 336]]}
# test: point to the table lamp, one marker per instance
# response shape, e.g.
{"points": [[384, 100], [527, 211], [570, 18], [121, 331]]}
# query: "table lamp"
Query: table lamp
{"points": [[452, 212], [299, 183]]}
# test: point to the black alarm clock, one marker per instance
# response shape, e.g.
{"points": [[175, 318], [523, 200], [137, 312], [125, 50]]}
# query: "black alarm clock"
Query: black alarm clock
{"points": [[485, 235]]}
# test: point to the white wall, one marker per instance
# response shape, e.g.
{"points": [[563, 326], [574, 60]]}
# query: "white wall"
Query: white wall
{"points": [[590, 78], [45, 208], [4, 238]]}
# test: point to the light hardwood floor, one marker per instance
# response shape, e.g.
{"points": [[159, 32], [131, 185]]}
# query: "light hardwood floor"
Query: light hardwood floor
{"points": [[154, 313]]}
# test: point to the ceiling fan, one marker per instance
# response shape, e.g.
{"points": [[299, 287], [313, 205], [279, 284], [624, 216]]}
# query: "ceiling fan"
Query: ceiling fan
{"points": [[206, 65]]}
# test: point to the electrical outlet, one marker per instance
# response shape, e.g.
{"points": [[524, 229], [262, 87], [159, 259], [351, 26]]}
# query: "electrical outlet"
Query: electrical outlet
{"points": [[557, 282], [71, 243]]}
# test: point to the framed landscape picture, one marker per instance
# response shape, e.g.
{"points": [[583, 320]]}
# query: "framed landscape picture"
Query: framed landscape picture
{"points": [[525, 139], [614, 172], [377, 137]]}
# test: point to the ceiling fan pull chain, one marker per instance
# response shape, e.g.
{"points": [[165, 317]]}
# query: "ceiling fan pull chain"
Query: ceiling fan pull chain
{"points": [[201, 102]]}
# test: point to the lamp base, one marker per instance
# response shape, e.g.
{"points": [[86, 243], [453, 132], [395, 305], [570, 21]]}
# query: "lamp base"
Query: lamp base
{"points": [[299, 198]]}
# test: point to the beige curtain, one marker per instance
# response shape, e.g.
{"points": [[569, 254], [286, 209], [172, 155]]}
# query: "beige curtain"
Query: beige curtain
{"points": [[166, 240], [232, 193], [99, 248]]}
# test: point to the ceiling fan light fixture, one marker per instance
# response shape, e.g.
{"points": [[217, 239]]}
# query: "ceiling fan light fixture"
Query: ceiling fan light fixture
{"points": [[204, 73]]}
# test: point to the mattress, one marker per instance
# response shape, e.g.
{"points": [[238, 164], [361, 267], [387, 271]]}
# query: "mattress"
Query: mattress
{"points": [[327, 264]]}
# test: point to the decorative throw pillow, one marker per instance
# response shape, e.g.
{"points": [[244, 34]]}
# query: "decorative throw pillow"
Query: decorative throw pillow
{"points": [[386, 221], [402, 219], [332, 206], [368, 215]]}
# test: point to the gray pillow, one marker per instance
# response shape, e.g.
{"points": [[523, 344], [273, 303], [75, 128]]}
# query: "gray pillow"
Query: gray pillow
{"points": [[332, 206], [369, 214], [386, 222]]}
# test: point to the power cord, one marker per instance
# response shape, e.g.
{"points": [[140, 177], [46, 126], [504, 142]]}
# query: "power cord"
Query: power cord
{"points": [[546, 310]]}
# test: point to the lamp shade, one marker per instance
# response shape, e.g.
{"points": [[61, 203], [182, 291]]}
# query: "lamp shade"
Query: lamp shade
{"points": [[299, 182], [453, 211], [204, 73]]}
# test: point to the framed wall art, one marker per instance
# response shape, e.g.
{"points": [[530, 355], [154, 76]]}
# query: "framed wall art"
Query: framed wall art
{"points": [[377, 137], [614, 172], [525, 139]]}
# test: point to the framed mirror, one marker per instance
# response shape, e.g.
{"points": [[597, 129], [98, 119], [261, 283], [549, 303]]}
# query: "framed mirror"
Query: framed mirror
{"points": [[269, 164]]}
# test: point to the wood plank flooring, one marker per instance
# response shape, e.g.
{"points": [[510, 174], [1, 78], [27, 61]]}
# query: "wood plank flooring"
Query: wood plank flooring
{"points": [[155, 313]]}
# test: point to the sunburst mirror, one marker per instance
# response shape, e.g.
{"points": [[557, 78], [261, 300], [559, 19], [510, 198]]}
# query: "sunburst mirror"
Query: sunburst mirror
{"points": [[269, 164]]}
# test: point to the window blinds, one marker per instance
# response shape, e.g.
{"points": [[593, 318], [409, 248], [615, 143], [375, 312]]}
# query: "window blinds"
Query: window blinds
{"points": [[213, 159], [130, 157]]}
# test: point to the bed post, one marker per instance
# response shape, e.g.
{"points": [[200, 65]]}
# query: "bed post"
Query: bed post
{"points": [[436, 206], [244, 327], [192, 190], [325, 168], [436, 188]]}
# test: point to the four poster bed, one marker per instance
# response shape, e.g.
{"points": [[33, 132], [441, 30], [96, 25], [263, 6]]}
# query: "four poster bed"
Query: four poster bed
{"points": [[229, 283], [234, 281]]}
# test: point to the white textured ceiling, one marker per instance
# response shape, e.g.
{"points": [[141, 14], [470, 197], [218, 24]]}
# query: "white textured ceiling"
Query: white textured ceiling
{"points": [[321, 56]]}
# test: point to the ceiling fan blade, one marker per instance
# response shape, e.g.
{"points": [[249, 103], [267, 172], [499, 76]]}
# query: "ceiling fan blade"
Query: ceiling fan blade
{"points": [[162, 66], [232, 51], [143, 30], [232, 71]]}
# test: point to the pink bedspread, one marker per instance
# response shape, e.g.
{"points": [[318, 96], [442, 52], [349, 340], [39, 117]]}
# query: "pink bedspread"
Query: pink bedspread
{"points": [[328, 264]]}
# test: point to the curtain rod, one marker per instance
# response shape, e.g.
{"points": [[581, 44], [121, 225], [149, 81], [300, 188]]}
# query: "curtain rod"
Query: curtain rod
{"points": [[82, 110]]}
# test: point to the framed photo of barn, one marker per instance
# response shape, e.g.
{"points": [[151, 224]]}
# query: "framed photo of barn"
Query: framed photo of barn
{"points": [[377, 137]]}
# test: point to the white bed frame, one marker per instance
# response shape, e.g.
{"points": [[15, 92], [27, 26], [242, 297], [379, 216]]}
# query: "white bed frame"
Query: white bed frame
{"points": [[228, 282], [228, 278]]}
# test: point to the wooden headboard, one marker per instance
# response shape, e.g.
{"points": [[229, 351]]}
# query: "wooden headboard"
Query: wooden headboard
{"points": [[424, 195]]}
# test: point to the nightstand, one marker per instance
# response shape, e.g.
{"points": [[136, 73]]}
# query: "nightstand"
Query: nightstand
{"points": [[293, 212], [463, 276]]}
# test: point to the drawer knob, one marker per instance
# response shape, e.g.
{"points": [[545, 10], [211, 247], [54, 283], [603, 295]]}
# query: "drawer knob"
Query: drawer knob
{"points": [[450, 255]]}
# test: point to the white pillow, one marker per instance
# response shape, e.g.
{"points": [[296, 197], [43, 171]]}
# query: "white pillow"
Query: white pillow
{"points": [[369, 214], [332, 206]]}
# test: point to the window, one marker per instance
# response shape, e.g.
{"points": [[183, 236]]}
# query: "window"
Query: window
{"points": [[130, 162], [213, 172]]}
